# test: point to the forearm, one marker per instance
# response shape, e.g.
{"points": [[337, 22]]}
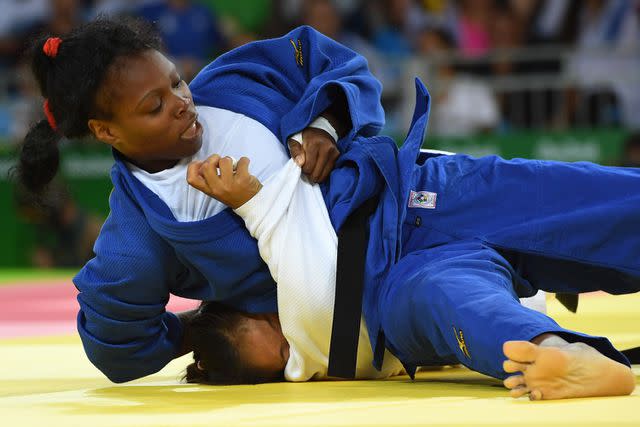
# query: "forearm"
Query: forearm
{"points": [[122, 354]]}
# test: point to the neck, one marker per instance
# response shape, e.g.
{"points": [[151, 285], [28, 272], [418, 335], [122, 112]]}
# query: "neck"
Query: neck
{"points": [[152, 166]]}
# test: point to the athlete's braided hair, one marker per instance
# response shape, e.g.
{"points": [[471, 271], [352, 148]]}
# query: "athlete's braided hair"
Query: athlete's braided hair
{"points": [[70, 77]]}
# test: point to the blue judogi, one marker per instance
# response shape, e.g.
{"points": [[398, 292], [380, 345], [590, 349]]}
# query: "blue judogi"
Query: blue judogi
{"points": [[443, 275], [488, 231], [143, 254], [501, 230]]}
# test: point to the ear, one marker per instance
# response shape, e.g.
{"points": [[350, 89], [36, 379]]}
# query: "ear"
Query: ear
{"points": [[103, 131]]}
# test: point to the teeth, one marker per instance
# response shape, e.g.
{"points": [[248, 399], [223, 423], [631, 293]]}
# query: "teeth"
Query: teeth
{"points": [[190, 132]]}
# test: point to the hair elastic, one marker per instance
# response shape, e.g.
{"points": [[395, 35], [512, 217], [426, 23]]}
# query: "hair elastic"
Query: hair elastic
{"points": [[49, 115], [51, 46]]}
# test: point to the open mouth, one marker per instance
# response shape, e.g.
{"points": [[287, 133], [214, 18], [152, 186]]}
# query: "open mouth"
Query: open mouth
{"points": [[192, 131]]}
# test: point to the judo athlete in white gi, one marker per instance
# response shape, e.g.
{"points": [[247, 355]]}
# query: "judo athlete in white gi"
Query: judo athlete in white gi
{"points": [[485, 326]]}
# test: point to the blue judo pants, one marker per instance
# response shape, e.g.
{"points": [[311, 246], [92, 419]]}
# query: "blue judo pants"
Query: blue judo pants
{"points": [[500, 230]]}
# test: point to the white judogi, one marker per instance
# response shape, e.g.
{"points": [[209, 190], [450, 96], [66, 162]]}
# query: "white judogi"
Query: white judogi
{"points": [[289, 219], [225, 133]]}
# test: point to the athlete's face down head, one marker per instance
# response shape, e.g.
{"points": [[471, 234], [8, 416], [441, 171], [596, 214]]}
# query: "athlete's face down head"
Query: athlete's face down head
{"points": [[234, 347], [262, 346], [153, 120]]}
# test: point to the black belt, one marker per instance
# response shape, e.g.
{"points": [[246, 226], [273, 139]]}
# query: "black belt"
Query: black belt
{"points": [[352, 249]]}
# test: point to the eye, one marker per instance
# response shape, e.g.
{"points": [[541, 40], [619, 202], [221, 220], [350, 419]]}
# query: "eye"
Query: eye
{"points": [[157, 109], [178, 83]]}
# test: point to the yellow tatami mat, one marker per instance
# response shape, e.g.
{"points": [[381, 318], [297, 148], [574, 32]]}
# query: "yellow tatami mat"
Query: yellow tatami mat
{"points": [[48, 382]]}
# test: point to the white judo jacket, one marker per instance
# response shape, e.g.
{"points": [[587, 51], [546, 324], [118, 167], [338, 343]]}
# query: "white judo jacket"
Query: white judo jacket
{"points": [[296, 240]]}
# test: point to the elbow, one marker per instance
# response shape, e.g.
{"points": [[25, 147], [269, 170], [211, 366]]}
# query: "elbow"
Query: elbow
{"points": [[117, 372], [118, 378], [125, 371]]}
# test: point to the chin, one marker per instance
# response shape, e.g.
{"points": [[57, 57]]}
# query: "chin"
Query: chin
{"points": [[193, 147]]}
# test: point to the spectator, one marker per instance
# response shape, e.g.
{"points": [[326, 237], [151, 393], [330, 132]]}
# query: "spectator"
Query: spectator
{"points": [[20, 14], [16, 110], [189, 31], [606, 66], [461, 104], [246, 16], [392, 23], [552, 21], [438, 14], [474, 20], [65, 15], [112, 7], [323, 15], [23, 109], [524, 107], [631, 151], [29, 17], [392, 36], [242, 21], [17, 16]]}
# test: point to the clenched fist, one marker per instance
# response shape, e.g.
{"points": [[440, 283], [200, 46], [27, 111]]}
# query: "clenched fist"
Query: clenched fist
{"points": [[217, 178], [317, 155]]}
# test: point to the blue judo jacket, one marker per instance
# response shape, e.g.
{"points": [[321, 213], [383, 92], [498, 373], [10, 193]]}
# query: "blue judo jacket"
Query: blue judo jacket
{"points": [[143, 254]]}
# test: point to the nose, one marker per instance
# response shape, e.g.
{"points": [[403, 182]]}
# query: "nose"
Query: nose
{"points": [[183, 104]]}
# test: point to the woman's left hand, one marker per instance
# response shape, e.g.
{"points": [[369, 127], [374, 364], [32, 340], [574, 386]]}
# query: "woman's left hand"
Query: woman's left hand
{"points": [[317, 156]]}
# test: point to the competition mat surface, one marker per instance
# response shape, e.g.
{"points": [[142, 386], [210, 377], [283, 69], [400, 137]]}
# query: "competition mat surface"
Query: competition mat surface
{"points": [[45, 379]]}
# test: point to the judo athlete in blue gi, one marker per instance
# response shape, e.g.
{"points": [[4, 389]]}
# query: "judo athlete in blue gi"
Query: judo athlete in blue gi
{"points": [[107, 79], [476, 234], [126, 94]]}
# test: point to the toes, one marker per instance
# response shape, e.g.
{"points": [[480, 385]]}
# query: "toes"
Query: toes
{"points": [[518, 391], [520, 351], [510, 366], [535, 395], [514, 381]]}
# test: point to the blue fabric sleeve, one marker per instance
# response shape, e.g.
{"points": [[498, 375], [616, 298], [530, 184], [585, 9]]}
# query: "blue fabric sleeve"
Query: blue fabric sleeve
{"points": [[125, 330], [286, 82]]}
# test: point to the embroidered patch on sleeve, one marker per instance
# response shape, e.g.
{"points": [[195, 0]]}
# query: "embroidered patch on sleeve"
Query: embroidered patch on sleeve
{"points": [[422, 199]]}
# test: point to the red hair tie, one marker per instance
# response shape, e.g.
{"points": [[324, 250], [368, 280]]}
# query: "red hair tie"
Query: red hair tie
{"points": [[51, 46], [49, 114]]}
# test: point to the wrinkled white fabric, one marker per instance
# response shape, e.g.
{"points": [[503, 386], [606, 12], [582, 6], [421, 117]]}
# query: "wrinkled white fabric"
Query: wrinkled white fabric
{"points": [[289, 219], [225, 133]]}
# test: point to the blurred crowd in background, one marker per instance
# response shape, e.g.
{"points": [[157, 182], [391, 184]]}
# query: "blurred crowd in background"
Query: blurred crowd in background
{"points": [[492, 66]]}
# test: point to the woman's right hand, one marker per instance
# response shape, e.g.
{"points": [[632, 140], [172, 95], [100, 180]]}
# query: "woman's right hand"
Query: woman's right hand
{"points": [[217, 178]]}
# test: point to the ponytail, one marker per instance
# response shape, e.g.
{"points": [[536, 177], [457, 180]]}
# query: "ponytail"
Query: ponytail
{"points": [[39, 157]]}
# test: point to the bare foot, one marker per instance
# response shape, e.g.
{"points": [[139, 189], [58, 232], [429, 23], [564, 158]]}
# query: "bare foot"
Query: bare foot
{"points": [[556, 369]]}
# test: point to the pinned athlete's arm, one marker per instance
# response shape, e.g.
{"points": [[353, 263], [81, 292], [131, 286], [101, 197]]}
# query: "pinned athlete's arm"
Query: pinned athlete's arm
{"points": [[217, 177]]}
